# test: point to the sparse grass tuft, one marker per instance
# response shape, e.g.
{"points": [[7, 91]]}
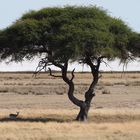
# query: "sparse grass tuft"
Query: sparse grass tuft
{"points": [[106, 91]]}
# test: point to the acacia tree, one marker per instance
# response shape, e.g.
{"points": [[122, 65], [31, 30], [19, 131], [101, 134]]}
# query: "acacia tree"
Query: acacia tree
{"points": [[83, 34]]}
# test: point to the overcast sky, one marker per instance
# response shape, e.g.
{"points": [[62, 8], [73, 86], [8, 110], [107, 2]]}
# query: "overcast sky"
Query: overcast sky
{"points": [[127, 10]]}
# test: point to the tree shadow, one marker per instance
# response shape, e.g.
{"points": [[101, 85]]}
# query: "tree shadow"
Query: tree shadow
{"points": [[38, 119]]}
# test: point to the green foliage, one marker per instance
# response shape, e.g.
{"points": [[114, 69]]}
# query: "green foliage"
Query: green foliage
{"points": [[17, 38], [134, 45], [70, 33]]}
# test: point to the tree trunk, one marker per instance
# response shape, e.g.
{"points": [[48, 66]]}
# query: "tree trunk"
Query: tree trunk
{"points": [[84, 105], [83, 114], [84, 108]]}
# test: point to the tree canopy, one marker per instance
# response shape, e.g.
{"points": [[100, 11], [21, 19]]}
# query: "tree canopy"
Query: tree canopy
{"points": [[75, 31]]}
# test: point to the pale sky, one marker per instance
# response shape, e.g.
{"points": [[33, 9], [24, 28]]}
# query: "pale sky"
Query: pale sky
{"points": [[127, 10]]}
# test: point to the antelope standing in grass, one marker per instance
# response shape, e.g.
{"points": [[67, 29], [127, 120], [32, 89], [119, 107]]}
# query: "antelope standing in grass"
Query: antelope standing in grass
{"points": [[13, 116]]}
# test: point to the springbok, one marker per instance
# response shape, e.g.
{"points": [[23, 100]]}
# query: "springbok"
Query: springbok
{"points": [[13, 116]]}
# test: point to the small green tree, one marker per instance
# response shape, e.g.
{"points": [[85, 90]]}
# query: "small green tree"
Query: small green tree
{"points": [[83, 34]]}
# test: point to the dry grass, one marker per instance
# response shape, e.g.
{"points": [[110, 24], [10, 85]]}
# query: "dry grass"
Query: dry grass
{"points": [[120, 127], [24, 83], [69, 131]]}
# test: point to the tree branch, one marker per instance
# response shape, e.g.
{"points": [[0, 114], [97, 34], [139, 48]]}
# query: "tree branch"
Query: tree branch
{"points": [[99, 62], [107, 65], [41, 66], [95, 73], [44, 62], [72, 73], [57, 64], [50, 71], [70, 83], [100, 76]]}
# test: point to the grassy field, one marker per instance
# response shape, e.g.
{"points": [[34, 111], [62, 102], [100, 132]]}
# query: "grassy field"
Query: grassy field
{"points": [[47, 114], [104, 124]]}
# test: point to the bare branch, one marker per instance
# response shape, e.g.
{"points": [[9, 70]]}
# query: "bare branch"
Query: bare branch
{"points": [[100, 76], [88, 61], [47, 61], [72, 73], [43, 63], [39, 68], [53, 74], [95, 73], [99, 60], [107, 65], [57, 64]]}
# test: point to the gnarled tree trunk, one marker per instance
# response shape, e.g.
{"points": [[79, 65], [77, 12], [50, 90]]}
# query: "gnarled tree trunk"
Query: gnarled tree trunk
{"points": [[83, 105]]}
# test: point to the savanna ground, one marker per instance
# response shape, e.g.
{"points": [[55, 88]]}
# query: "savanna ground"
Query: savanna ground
{"points": [[47, 114]]}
